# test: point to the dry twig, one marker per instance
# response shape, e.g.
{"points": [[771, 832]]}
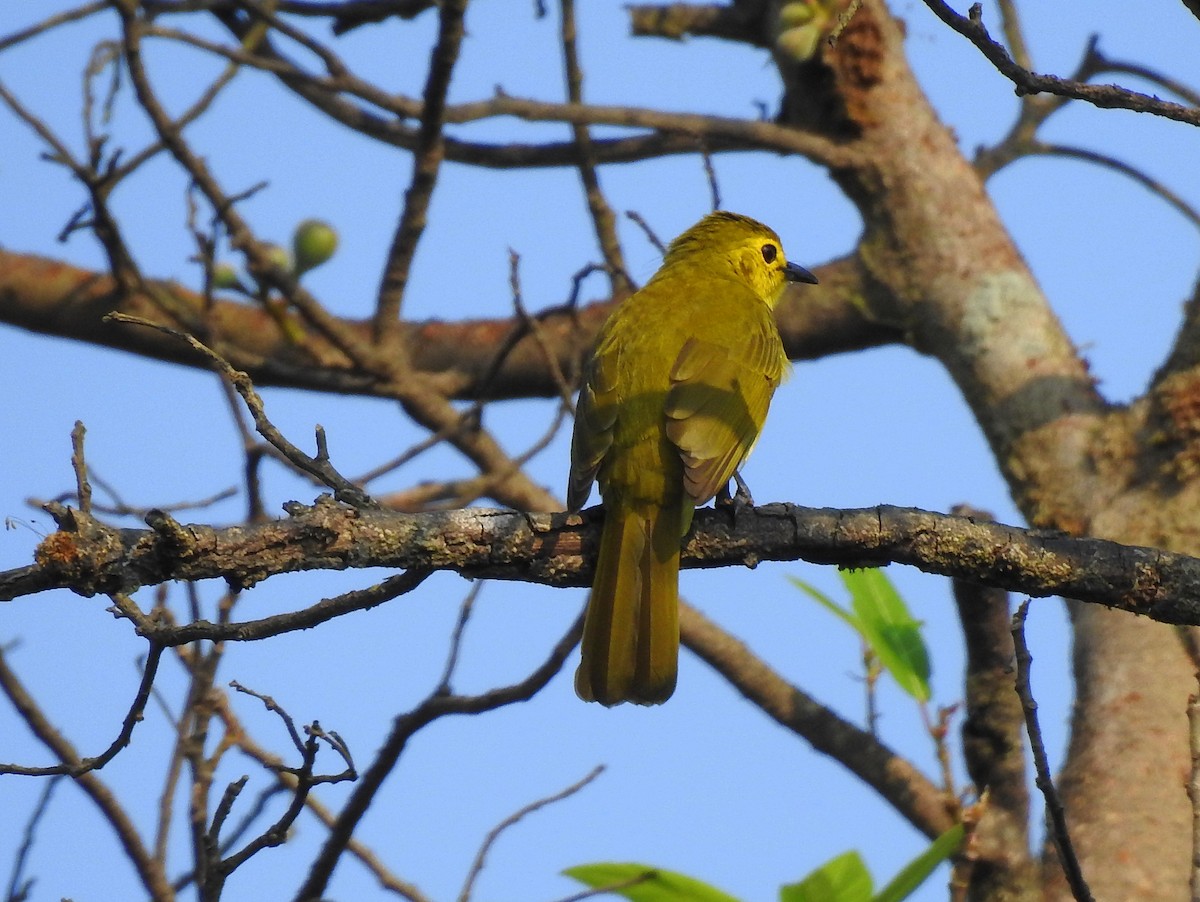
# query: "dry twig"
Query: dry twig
{"points": [[1041, 764]]}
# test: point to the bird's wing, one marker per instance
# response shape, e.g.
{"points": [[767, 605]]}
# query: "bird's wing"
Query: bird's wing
{"points": [[595, 416], [716, 405]]}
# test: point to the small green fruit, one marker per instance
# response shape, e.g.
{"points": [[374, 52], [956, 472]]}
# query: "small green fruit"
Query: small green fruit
{"points": [[225, 277], [278, 255], [313, 242]]}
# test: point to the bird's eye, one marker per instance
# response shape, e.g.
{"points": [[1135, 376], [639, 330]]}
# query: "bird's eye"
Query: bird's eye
{"points": [[769, 252]]}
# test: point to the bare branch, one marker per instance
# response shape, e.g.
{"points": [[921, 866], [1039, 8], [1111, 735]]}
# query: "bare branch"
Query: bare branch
{"points": [[89, 558], [1153, 185], [427, 159], [602, 215], [149, 871], [287, 782], [437, 705], [345, 15], [50, 22], [319, 467], [1027, 82], [305, 779], [132, 718], [514, 818], [462, 359], [18, 886], [1054, 808], [676, 21], [669, 132]]}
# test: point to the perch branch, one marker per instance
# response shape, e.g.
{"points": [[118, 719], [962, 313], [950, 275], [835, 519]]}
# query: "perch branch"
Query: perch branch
{"points": [[90, 557]]}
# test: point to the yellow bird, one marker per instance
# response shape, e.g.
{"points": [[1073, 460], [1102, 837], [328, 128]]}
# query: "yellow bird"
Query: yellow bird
{"points": [[674, 397]]}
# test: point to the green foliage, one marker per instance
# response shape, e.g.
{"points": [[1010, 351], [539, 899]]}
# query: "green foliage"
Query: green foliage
{"points": [[918, 870], [801, 26], [656, 885], [224, 276], [844, 878], [879, 615], [841, 879]]}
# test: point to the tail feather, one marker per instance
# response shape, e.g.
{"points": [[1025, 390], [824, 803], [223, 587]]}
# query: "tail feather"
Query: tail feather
{"points": [[631, 631]]}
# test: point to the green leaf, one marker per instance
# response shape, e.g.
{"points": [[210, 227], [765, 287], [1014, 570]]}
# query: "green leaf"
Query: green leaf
{"points": [[891, 631], [841, 879], [829, 604], [918, 870], [659, 885]]}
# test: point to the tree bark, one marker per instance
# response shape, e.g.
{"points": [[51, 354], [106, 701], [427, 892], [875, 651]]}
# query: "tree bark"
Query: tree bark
{"points": [[949, 277]]}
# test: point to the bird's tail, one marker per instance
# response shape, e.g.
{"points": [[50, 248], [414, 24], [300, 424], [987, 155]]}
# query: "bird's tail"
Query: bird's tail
{"points": [[631, 631]]}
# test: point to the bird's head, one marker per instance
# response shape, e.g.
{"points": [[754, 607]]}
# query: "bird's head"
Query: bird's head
{"points": [[726, 243]]}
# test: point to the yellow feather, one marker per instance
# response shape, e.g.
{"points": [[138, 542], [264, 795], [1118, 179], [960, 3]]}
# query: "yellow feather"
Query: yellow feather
{"points": [[674, 398]]}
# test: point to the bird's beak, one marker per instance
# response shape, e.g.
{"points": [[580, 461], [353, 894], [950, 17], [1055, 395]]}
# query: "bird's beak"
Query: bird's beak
{"points": [[793, 272]]}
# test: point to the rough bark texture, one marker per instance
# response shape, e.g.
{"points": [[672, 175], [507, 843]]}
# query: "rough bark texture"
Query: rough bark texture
{"points": [[955, 284]]}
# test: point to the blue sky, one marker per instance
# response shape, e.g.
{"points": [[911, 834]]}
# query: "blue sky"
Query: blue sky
{"points": [[703, 784]]}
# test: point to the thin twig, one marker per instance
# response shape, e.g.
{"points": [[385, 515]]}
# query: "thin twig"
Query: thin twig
{"points": [[119, 507], [149, 871], [70, 15], [18, 887], [710, 175], [271, 705], [132, 718], [603, 219], [286, 782], [456, 635], [494, 834], [1151, 184], [641, 223], [278, 624], [1041, 764], [533, 327], [435, 706], [844, 18], [1027, 82], [344, 490], [993, 738], [668, 133], [83, 488], [426, 163]]}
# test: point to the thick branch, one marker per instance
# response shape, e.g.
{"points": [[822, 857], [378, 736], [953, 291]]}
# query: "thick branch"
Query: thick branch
{"points": [[58, 299], [558, 550], [676, 21]]}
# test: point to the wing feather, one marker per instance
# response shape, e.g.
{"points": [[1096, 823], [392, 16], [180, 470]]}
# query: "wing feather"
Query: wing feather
{"points": [[716, 404], [595, 417]]}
